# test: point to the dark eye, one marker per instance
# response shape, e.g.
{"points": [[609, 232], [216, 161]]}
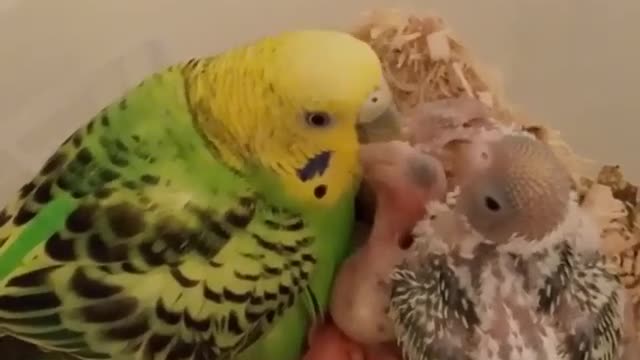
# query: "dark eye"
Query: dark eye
{"points": [[318, 119], [492, 204]]}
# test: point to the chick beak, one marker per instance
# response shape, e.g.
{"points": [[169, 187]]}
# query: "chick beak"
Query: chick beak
{"points": [[385, 127]]}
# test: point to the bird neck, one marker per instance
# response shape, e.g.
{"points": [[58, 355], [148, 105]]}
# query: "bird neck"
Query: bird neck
{"points": [[214, 87]]}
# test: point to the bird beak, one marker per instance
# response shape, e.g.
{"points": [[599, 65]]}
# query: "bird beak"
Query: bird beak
{"points": [[385, 127]]}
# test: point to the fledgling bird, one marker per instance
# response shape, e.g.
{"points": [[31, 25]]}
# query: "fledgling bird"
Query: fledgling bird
{"points": [[508, 268], [203, 214]]}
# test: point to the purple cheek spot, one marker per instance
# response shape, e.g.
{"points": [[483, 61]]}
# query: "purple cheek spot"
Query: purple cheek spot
{"points": [[316, 165]]}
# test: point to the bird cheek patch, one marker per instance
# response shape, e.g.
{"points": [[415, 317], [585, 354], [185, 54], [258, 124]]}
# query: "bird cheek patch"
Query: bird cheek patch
{"points": [[315, 166]]}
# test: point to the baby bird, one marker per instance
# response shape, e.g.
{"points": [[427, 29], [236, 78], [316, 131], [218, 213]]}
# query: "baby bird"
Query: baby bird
{"points": [[402, 180], [508, 267]]}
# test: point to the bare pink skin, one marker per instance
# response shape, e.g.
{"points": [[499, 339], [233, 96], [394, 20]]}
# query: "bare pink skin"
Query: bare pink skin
{"points": [[403, 180], [327, 342]]}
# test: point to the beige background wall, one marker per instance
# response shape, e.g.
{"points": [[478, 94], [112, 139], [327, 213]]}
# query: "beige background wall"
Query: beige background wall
{"points": [[573, 63]]}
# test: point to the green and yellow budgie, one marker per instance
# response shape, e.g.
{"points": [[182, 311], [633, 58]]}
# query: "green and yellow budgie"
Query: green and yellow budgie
{"points": [[202, 215]]}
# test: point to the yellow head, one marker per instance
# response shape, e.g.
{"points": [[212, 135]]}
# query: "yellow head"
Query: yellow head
{"points": [[291, 104]]}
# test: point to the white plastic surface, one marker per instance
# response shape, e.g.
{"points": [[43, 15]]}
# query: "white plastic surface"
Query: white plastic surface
{"points": [[570, 63], [47, 120]]}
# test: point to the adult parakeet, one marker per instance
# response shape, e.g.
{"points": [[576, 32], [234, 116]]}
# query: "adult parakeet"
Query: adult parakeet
{"points": [[200, 216], [509, 269]]}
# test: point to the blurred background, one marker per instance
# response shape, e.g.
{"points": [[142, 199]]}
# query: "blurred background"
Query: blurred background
{"points": [[570, 63]]}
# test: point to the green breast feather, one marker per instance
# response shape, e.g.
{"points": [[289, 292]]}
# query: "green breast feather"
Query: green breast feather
{"points": [[134, 242]]}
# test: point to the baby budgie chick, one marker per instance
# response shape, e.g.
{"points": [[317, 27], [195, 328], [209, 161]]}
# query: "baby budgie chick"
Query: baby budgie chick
{"points": [[402, 179], [508, 268]]}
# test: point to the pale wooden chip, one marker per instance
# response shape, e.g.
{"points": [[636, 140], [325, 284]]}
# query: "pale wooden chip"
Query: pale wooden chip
{"points": [[438, 44]]}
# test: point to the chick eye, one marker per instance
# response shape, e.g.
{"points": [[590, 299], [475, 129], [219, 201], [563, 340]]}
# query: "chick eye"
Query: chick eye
{"points": [[492, 204], [318, 119]]}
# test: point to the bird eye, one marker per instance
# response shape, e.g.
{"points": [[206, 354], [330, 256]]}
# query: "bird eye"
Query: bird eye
{"points": [[492, 204], [318, 119]]}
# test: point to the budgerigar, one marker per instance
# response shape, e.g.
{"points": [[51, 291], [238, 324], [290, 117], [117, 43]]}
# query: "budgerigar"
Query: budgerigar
{"points": [[509, 269], [203, 214]]}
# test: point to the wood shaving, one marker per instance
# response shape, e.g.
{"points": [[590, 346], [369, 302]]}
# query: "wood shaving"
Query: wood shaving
{"points": [[424, 61]]}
